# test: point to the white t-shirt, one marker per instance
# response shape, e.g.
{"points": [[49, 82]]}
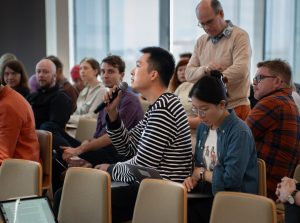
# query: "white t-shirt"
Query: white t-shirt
{"points": [[210, 150]]}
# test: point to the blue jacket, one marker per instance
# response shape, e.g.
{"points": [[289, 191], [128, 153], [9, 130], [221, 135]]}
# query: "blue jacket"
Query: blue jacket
{"points": [[236, 169]]}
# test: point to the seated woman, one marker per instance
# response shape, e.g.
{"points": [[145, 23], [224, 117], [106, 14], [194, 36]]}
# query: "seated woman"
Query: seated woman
{"points": [[225, 156], [14, 76], [179, 75], [92, 95]]}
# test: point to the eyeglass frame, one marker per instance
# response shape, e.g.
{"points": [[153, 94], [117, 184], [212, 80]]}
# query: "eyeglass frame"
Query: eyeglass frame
{"points": [[258, 78], [198, 112], [209, 22]]}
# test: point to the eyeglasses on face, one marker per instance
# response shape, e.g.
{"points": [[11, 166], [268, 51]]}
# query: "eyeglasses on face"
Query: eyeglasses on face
{"points": [[258, 78], [198, 112]]}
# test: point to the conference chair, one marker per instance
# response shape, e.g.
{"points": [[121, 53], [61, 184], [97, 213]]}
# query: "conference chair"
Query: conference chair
{"points": [[236, 207], [297, 173], [262, 177], [45, 141], [160, 201], [20, 178], [85, 129], [86, 197]]}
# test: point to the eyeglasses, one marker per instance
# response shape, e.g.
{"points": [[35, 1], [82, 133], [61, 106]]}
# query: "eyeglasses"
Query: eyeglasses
{"points": [[198, 112], [209, 22], [258, 78]]}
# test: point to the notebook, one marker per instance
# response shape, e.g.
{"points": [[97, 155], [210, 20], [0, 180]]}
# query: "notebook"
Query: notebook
{"points": [[27, 210]]}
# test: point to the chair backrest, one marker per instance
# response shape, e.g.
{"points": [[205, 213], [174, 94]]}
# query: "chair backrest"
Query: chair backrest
{"points": [[45, 141], [86, 196], [85, 129], [297, 173], [262, 177], [20, 178], [160, 201], [236, 207]]}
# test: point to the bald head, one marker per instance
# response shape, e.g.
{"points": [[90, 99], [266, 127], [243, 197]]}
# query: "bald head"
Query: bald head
{"points": [[46, 73], [211, 17]]}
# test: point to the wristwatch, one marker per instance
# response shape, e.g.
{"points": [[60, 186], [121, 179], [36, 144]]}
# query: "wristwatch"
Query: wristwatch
{"points": [[291, 197], [202, 171]]}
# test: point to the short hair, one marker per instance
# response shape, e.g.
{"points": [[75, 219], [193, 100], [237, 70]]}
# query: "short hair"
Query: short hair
{"points": [[115, 61], [56, 61], [93, 62], [17, 67], [278, 67], [210, 88], [162, 61], [214, 4]]}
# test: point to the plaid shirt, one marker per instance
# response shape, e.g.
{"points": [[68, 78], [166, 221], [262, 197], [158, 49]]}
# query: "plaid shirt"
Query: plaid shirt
{"points": [[274, 122]]}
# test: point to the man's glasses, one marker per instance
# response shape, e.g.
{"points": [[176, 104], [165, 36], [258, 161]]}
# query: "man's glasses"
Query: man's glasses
{"points": [[208, 23], [198, 112], [260, 77]]}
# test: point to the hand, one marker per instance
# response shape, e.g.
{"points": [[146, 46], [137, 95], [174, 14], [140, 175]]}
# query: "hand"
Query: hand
{"points": [[69, 152], [213, 66], [111, 107], [103, 166], [285, 188], [190, 183]]}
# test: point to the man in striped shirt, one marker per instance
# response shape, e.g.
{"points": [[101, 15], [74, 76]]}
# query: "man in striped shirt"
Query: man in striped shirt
{"points": [[161, 140]]}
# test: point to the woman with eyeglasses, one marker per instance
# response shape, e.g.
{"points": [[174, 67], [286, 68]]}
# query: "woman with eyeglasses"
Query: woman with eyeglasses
{"points": [[225, 154]]}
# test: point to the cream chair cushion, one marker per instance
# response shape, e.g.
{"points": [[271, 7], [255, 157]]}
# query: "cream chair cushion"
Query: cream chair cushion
{"points": [[235, 207], [160, 201], [86, 197], [19, 178]]}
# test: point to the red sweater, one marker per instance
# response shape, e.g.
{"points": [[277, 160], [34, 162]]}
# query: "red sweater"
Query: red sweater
{"points": [[18, 138]]}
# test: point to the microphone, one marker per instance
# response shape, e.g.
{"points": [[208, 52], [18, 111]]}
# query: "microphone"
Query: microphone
{"points": [[121, 87]]}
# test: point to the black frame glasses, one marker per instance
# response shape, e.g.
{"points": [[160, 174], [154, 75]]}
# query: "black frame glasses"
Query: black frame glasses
{"points": [[258, 78]]}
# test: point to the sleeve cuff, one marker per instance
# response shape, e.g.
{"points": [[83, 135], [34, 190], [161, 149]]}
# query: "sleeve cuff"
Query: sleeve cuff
{"points": [[113, 125]]}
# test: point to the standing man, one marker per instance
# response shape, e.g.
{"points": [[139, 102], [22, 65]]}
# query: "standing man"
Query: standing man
{"points": [[161, 140], [18, 138], [275, 121], [226, 48]]}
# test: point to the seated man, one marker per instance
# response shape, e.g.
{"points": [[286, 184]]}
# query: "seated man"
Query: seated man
{"points": [[63, 82], [160, 141], [289, 194], [275, 122], [51, 106], [18, 138], [100, 150]]}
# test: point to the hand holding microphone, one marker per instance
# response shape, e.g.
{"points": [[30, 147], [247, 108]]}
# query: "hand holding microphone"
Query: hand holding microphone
{"points": [[110, 96]]}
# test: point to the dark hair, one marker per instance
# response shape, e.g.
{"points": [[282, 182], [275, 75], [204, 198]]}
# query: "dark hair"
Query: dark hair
{"points": [[184, 55], [17, 67], [162, 61], [174, 82], [214, 4], [115, 61], [210, 88], [93, 62], [56, 61], [278, 67]]}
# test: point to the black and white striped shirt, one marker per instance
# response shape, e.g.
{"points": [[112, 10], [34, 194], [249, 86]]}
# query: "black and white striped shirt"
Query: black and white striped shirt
{"points": [[161, 140]]}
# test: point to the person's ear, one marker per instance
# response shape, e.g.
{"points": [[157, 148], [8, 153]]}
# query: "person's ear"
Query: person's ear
{"points": [[154, 75], [222, 104]]}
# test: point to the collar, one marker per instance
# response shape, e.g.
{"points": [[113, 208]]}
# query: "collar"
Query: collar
{"points": [[287, 91], [46, 90], [226, 33]]}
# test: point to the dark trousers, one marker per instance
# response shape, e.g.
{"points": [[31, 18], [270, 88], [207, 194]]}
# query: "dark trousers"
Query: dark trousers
{"points": [[122, 200], [199, 209]]}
